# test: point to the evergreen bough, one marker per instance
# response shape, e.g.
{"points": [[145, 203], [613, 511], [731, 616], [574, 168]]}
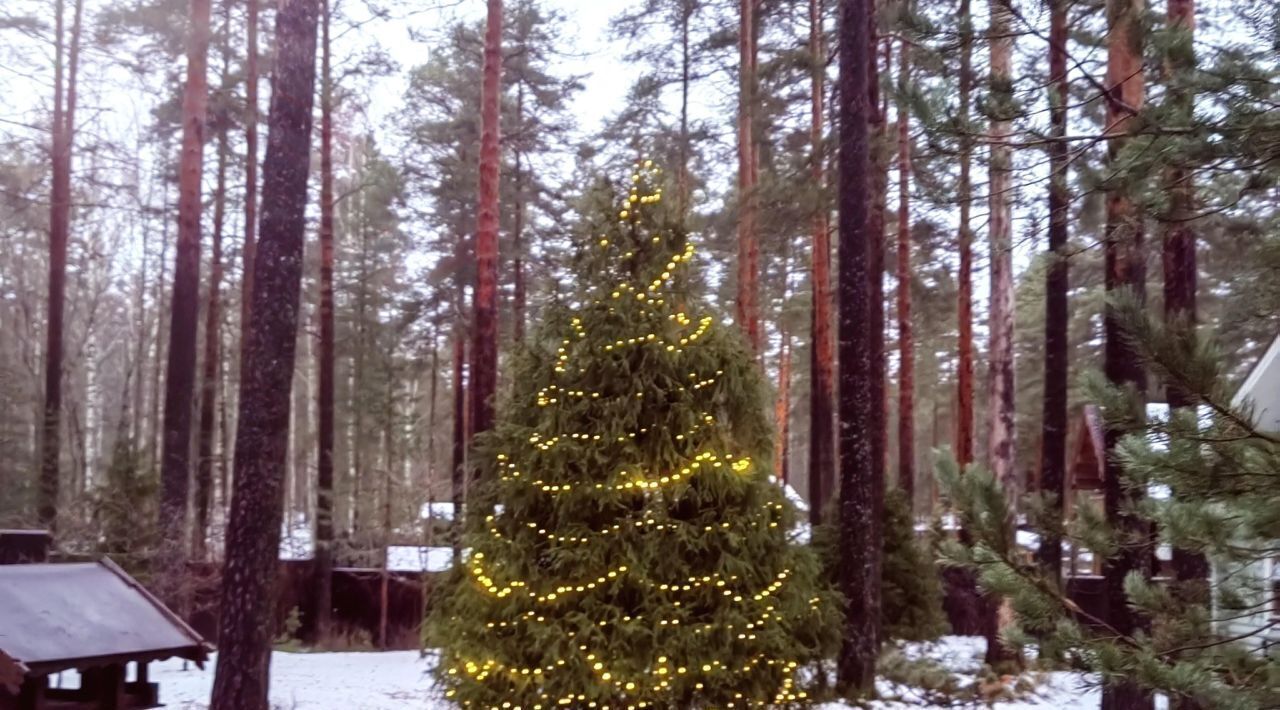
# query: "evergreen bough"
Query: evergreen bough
{"points": [[626, 544], [1219, 482]]}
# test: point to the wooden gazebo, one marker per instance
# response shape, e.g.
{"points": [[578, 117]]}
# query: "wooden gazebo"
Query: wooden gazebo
{"points": [[92, 618]]}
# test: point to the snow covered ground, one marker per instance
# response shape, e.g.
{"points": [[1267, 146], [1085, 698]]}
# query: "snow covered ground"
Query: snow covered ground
{"points": [[400, 679], [316, 681]]}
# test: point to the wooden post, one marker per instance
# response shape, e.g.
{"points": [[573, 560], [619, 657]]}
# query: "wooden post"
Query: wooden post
{"points": [[111, 695], [382, 606], [32, 695]]}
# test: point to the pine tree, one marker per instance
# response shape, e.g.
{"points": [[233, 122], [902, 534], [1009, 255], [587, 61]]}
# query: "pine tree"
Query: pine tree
{"points": [[184, 311], [212, 365], [1053, 449], [253, 532], [964, 244], [861, 338], [484, 323], [64, 116], [822, 451], [1226, 473], [637, 551], [748, 297], [323, 589]]}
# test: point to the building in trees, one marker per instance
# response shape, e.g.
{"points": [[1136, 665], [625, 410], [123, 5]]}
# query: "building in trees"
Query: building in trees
{"points": [[1260, 575]]}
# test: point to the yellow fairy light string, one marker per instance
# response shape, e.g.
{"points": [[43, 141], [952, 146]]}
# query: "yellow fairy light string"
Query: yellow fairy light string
{"points": [[633, 687], [637, 481]]}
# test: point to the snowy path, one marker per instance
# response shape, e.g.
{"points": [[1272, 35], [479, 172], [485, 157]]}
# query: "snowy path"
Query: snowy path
{"points": [[400, 679]]}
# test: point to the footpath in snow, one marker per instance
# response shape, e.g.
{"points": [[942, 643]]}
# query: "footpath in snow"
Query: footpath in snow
{"points": [[401, 679]]}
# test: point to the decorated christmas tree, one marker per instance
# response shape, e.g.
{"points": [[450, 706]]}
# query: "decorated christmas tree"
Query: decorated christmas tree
{"points": [[628, 547]]}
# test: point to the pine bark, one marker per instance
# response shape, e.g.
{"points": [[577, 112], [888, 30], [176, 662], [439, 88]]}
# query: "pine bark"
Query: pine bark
{"points": [[906, 344], [822, 453], [517, 232], [782, 409], [1191, 569], [1053, 449], [1000, 421], [63, 141], [860, 486], [484, 343], [748, 307], [325, 376], [184, 311], [683, 186], [458, 459], [1124, 271], [877, 222], [964, 238], [212, 338], [253, 534], [1000, 381], [250, 175]]}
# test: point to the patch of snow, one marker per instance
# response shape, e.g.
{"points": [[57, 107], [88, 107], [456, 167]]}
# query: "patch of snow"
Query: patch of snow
{"points": [[963, 656], [296, 539], [411, 558], [803, 531], [401, 679], [1028, 539], [436, 511], [316, 681], [950, 521]]}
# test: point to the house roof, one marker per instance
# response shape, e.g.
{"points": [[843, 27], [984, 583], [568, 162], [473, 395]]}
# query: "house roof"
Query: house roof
{"points": [[79, 615], [1269, 359]]}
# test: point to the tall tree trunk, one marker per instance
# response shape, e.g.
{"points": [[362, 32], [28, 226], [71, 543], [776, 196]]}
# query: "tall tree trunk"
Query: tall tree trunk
{"points": [[782, 410], [875, 249], [683, 186], [212, 328], [906, 345], [325, 396], [253, 535], [1000, 382], [782, 404], [748, 307], [860, 489], [1125, 94], [458, 460], [1053, 449], [1000, 414], [142, 337], [157, 372], [1180, 278], [250, 176], [388, 447], [431, 410], [517, 232], [964, 239], [484, 348], [822, 453], [358, 466], [224, 440], [63, 138], [184, 311]]}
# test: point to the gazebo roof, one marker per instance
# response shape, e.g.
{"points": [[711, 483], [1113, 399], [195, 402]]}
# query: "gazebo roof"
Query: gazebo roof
{"points": [[80, 615]]}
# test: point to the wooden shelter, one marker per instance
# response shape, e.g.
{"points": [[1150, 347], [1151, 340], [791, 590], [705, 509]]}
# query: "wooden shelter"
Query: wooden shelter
{"points": [[91, 618]]}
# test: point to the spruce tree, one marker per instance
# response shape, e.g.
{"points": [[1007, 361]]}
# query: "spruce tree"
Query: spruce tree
{"points": [[627, 546]]}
